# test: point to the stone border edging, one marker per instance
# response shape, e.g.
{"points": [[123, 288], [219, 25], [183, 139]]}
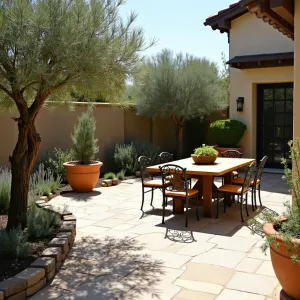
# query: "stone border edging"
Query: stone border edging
{"points": [[44, 268]]}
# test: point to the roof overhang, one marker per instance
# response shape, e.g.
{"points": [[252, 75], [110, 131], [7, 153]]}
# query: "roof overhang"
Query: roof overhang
{"points": [[262, 60], [278, 13]]}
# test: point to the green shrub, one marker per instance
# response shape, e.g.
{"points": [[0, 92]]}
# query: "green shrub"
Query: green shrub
{"points": [[205, 151], [121, 175], [13, 244], [84, 140], [42, 182], [5, 184], [55, 162], [40, 222], [124, 157], [228, 133], [110, 175]]}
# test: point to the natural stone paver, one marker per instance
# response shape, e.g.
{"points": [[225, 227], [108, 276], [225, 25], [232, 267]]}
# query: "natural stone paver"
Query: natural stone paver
{"points": [[220, 257], [193, 295], [253, 283], [207, 273], [119, 255], [200, 286], [249, 265], [232, 294], [31, 275], [48, 292], [12, 285]]}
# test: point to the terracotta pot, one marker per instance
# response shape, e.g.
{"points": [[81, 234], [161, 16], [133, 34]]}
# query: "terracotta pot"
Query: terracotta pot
{"points": [[82, 178], [287, 272], [223, 149], [204, 160]]}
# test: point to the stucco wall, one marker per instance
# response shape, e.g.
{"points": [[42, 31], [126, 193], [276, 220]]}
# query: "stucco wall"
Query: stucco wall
{"points": [[250, 35]]}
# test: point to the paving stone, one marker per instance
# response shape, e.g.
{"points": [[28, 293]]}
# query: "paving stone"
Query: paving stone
{"points": [[109, 223], [18, 296], [36, 287], [48, 263], [82, 223], [93, 230], [233, 243], [123, 227], [31, 275], [12, 285], [266, 269], [220, 257], [1, 295], [58, 265], [200, 286], [249, 265], [66, 235], [48, 293], [253, 283], [207, 273], [258, 254], [194, 295], [50, 275], [232, 295], [54, 252], [60, 242], [154, 241], [194, 249]]}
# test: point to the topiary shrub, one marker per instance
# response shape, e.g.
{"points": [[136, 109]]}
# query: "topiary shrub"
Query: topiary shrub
{"points": [[228, 133]]}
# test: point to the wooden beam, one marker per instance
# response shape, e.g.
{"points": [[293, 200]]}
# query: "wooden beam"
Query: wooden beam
{"points": [[284, 8]]}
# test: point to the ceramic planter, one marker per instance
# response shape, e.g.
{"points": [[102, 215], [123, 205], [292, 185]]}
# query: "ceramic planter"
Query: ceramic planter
{"points": [[204, 160], [82, 178], [223, 149], [287, 272]]}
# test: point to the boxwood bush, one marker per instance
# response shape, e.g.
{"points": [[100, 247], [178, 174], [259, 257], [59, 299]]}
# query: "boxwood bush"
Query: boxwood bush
{"points": [[228, 133]]}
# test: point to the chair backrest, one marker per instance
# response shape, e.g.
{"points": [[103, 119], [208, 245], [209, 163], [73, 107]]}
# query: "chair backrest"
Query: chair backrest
{"points": [[144, 162], [165, 157], [232, 154], [248, 176], [260, 168], [176, 175]]}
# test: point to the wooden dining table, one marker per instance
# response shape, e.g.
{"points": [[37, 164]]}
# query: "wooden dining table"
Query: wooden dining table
{"points": [[205, 175]]}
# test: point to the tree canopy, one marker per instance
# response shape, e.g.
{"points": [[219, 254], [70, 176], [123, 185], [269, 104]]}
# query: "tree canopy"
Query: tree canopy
{"points": [[182, 87]]}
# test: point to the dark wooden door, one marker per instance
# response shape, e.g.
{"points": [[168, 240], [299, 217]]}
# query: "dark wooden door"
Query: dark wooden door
{"points": [[274, 121]]}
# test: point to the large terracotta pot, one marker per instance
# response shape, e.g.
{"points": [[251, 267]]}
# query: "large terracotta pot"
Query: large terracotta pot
{"points": [[82, 178], [223, 149], [287, 272]]}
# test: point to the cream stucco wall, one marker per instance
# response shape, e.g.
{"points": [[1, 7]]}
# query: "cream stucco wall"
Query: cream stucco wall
{"points": [[250, 35]]}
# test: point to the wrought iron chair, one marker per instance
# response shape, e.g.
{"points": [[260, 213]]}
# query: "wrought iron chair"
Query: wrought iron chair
{"points": [[232, 154], [166, 157], [175, 184], [147, 180], [255, 183], [236, 190]]}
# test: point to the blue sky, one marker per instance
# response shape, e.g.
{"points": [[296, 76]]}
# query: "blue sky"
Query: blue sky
{"points": [[178, 25]]}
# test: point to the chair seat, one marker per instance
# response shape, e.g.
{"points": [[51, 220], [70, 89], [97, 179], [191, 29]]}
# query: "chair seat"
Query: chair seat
{"points": [[240, 181], [231, 188], [155, 183], [191, 192]]}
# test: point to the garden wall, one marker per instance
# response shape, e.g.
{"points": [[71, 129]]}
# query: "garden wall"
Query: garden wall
{"points": [[113, 125]]}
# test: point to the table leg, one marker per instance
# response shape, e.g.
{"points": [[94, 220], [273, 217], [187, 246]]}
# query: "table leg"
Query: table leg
{"points": [[207, 190], [228, 180], [178, 206]]}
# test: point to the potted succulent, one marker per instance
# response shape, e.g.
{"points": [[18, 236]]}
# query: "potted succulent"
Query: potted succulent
{"points": [[205, 155], [283, 233], [227, 134], [83, 173]]}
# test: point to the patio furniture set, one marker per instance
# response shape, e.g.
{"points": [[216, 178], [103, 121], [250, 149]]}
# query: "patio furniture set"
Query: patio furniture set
{"points": [[176, 182]]}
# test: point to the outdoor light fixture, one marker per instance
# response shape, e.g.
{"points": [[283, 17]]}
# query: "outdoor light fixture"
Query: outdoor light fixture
{"points": [[240, 103]]}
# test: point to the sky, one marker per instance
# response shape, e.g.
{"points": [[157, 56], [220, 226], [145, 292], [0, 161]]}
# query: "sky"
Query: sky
{"points": [[178, 25]]}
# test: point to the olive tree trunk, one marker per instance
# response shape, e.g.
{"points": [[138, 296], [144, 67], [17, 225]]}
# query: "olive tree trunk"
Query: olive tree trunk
{"points": [[179, 126]]}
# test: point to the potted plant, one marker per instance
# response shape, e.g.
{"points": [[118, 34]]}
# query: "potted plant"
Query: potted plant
{"points": [[227, 134], [83, 173], [205, 155], [283, 233]]}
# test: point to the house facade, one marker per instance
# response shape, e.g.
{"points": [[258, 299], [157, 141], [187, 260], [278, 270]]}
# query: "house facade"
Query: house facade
{"points": [[263, 60]]}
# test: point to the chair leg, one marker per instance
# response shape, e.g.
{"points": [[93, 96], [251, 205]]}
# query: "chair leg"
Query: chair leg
{"points": [[217, 206], [197, 211], [143, 198], [259, 197], [247, 204], [253, 197], [224, 201], [164, 208], [241, 200], [186, 211], [152, 198]]}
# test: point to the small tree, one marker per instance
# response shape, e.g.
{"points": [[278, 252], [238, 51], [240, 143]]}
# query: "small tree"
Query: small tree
{"points": [[180, 87], [49, 48], [225, 78]]}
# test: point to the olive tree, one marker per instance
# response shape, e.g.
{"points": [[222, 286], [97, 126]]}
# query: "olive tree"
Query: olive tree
{"points": [[181, 87], [48, 49]]}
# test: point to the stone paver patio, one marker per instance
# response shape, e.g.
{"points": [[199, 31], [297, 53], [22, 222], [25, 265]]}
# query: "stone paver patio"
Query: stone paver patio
{"points": [[117, 255]]}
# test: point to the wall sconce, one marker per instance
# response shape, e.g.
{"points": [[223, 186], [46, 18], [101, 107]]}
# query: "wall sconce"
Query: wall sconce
{"points": [[240, 104]]}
